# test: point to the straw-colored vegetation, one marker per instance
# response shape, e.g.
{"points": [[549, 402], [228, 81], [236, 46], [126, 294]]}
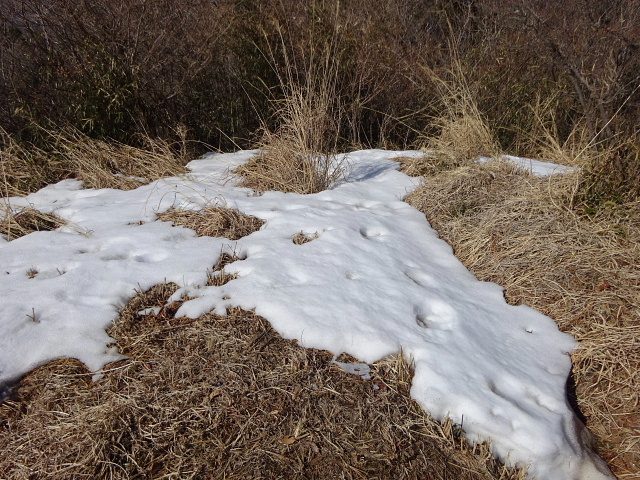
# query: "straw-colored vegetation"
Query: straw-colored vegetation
{"points": [[98, 163], [214, 221], [225, 397], [301, 238], [298, 153], [101, 164], [18, 222], [523, 233], [22, 169]]}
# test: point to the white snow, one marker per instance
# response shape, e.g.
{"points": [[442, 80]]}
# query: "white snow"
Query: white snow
{"points": [[376, 279], [535, 167]]}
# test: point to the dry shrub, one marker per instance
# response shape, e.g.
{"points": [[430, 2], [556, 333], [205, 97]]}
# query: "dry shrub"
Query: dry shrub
{"points": [[101, 164], [120, 68], [223, 397], [517, 231], [17, 223], [614, 175], [214, 222]]}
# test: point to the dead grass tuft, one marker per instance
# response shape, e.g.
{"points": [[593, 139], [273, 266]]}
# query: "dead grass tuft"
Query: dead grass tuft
{"points": [[223, 397], [219, 276], [579, 148], [520, 232], [284, 169], [17, 223], [301, 238], [22, 171], [112, 164], [299, 155], [463, 133], [214, 222]]}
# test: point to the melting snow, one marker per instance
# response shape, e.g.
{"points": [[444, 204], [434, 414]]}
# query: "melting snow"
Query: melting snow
{"points": [[374, 279]]}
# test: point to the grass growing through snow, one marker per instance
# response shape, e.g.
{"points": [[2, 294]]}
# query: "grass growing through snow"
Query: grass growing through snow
{"points": [[16, 223], [298, 156], [225, 397], [521, 232], [214, 221]]}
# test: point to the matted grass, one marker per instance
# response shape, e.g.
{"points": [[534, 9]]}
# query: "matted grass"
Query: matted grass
{"points": [[225, 397], [214, 222], [523, 233], [16, 223]]}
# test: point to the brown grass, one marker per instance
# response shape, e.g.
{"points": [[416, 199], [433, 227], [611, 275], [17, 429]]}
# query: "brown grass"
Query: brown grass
{"points": [[463, 133], [23, 170], [19, 222], [225, 397], [214, 222], [219, 275], [301, 238], [520, 231], [101, 164], [299, 154], [284, 169]]}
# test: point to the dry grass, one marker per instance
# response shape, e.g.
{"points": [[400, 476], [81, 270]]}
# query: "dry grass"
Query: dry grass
{"points": [[520, 232], [579, 148], [23, 170], [219, 275], [298, 156], [301, 238], [112, 164], [225, 397], [19, 222], [214, 222], [98, 163], [283, 169], [463, 133]]}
